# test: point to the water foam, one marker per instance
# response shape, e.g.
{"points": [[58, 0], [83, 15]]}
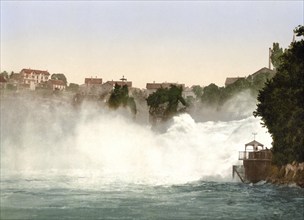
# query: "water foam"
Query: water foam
{"points": [[102, 145]]}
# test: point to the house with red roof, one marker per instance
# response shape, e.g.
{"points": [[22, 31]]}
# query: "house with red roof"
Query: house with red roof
{"points": [[31, 78], [56, 84], [152, 87]]}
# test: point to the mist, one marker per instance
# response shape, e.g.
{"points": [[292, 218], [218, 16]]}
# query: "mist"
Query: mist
{"points": [[238, 107], [47, 135]]}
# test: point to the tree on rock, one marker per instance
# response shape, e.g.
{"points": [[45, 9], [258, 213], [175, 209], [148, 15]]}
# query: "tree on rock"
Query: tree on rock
{"points": [[164, 103], [120, 97], [281, 105]]}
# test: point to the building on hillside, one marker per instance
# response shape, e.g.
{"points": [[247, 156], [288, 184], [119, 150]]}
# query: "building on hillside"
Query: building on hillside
{"points": [[92, 81], [31, 78], [262, 71], [106, 87], [56, 84], [152, 87], [3, 82], [231, 80], [15, 81], [91, 86], [188, 93], [120, 83], [123, 81]]}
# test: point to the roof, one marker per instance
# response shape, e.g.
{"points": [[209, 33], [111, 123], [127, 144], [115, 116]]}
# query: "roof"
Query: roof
{"points": [[231, 80], [254, 143], [162, 85], [57, 82], [15, 76], [153, 85], [29, 71], [93, 80], [263, 70], [120, 83]]}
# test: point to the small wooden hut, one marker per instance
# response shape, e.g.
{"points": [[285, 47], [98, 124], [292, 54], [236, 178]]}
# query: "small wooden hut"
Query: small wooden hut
{"points": [[256, 163]]}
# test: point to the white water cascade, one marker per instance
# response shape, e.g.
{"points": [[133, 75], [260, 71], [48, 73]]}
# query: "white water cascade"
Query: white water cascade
{"points": [[101, 144]]}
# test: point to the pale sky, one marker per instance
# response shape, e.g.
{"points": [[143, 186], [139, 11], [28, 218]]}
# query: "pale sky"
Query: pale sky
{"points": [[190, 42]]}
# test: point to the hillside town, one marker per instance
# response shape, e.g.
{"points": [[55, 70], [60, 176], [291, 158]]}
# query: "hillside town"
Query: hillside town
{"points": [[34, 80]]}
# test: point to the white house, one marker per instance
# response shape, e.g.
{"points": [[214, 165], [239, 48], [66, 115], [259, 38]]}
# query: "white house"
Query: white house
{"points": [[31, 78], [55, 84]]}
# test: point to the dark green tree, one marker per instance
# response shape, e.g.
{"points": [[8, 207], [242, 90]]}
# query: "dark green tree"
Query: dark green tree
{"points": [[299, 31], [59, 76], [198, 91], [281, 105], [120, 97], [164, 103], [211, 94], [276, 54]]}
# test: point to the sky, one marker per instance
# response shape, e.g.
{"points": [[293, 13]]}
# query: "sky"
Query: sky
{"points": [[190, 42]]}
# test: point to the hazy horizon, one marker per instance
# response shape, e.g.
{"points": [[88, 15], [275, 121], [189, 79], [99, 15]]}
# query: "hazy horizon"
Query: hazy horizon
{"points": [[196, 42]]}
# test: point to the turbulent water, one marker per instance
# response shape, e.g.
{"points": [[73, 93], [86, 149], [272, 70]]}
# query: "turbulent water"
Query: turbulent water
{"points": [[58, 162]]}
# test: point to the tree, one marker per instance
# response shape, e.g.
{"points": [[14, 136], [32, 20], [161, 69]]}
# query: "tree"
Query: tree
{"points": [[120, 97], [73, 87], [4, 74], [59, 76], [198, 91], [299, 31], [276, 53], [164, 103], [211, 94], [281, 105]]}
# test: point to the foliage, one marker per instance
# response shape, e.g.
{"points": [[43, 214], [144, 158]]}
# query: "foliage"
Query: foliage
{"points": [[4, 74], [211, 95], [216, 96], [59, 76], [120, 97], [299, 31], [276, 54], [281, 105], [73, 87], [164, 103], [258, 82], [198, 91]]}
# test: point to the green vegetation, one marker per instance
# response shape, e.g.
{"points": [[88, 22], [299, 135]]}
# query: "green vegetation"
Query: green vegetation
{"points": [[198, 91], [276, 54], [120, 97], [281, 105], [73, 87], [59, 76], [164, 103], [216, 96]]}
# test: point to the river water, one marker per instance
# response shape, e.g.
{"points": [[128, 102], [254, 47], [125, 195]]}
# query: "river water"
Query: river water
{"points": [[92, 163], [54, 196]]}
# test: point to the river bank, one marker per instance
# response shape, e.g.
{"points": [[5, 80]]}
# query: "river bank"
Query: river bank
{"points": [[288, 174]]}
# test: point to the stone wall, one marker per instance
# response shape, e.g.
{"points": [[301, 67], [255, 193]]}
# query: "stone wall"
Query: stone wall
{"points": [[288, 174]]}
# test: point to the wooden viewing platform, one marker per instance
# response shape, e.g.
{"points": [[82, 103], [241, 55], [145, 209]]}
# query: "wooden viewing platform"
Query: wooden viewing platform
{"points": [[256, 163]]}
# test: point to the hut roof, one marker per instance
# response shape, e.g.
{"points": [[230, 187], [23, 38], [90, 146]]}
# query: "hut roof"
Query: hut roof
{"points": [[254, 143]]}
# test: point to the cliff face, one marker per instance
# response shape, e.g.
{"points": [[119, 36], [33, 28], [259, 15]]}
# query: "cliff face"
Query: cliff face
{"points": [[288, 174]]}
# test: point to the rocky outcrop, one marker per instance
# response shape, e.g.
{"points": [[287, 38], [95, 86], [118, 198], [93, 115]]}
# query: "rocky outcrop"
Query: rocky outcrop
{"points": [[288, 174]]}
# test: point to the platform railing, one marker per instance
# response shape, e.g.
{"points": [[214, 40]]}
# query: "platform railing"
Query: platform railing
{"points": [[255, 155], [239, 170]]}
